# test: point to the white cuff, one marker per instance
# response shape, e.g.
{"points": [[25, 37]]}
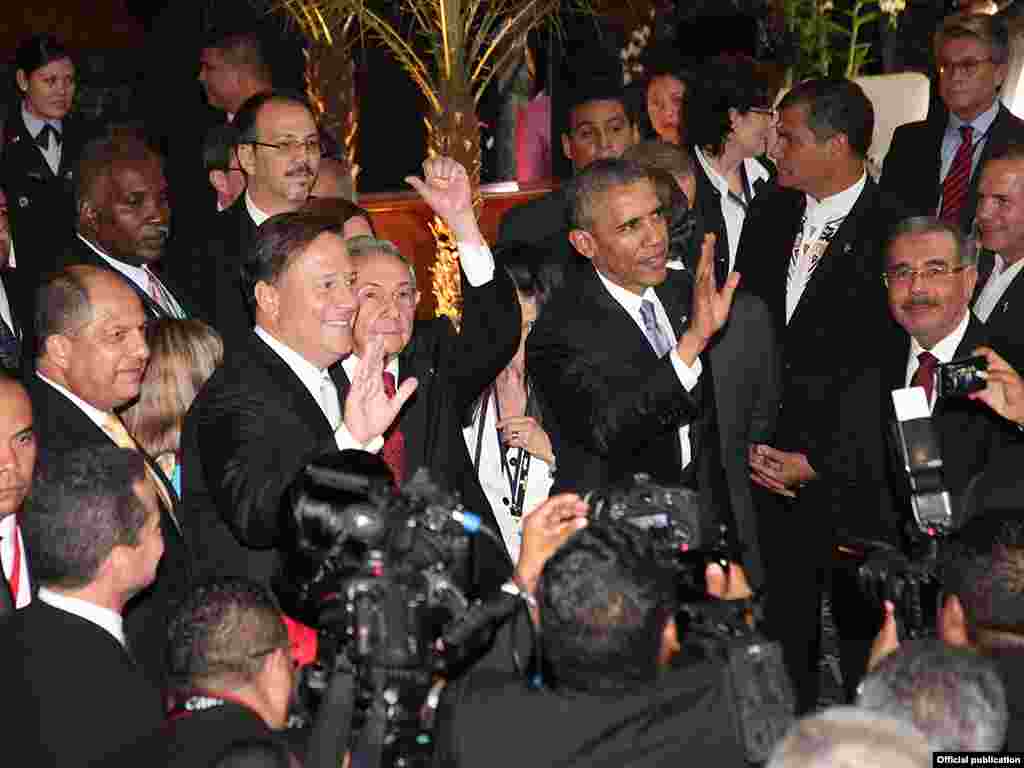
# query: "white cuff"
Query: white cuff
{"points": [[477, 262], [688, 375], [346, 442]]}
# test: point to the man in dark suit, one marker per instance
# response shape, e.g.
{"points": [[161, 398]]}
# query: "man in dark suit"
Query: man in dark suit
{"points": [[999, 298], [17, 460], [273, 406], [93, 354], [931, 169], [619, 358], [124, 219], [17, 294], [810, 249], [93, 539], [279, 150], [598, 125], [452, 369]]}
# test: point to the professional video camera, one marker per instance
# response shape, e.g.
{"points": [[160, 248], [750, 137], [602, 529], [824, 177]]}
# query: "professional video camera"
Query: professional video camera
{"points": [[760, 691], [377, 572]]}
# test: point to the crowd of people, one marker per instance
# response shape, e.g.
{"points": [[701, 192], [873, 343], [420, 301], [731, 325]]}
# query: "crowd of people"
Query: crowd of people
{"points": [[728, 307]]}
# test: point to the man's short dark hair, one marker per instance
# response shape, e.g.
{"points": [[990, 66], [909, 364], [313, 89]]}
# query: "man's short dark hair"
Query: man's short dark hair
{"points": [[222, 633], [992, 30], [594, 180], [984, 567], [601, 88], [279, 240], [62, 306], [245, 120], [835, 105], [725, 83], [82, 505], [244, 49], [604, 605], [966, 248], [219, 148], [952, 695], [121, 145]]}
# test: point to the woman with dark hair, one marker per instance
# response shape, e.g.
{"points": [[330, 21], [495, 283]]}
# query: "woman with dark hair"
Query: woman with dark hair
{"points": [[39, 151], [355, 221], [731, 124], [511, 451], [664, 96]]}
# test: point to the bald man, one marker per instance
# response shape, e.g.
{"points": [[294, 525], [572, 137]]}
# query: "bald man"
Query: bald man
{"points": [[92, 356]]}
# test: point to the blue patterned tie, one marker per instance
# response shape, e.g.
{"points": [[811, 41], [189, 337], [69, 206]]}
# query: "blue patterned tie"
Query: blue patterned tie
{"points": [[10, 347], [659, 340]]}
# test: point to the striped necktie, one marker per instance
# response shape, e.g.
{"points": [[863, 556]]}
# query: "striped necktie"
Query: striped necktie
{"points": [[954, 186]]}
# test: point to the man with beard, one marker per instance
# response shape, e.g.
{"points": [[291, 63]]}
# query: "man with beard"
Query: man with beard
{"points": [[279, 150], [124, 218]]}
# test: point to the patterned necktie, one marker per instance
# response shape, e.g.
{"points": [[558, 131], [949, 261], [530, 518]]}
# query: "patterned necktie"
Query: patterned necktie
{"points": [[160, 295], [10, 347], [924, 376], [118, 432], [954, 187], [393, 451], [329, 400], [659, 340]]}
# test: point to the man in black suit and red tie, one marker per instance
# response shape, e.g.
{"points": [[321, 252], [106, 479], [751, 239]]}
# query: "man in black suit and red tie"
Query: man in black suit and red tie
{"points": [[17, 460], [933, 166], [77, 695]]}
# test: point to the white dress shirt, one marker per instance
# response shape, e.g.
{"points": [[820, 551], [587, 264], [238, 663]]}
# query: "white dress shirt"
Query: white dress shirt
{"points": [[822, 219], [688, 375], [5, 307], [9, 532], [943, 352], [51, 152], [258, 215], [733, 212], [996, 285], [98, 615], [311, 378], [138, 276]]}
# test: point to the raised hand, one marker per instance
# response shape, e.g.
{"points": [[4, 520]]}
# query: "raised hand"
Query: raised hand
{"points": [[711, 306], [445, 187], [1004, 388], [524, 432], [368, 409], [545, 529]]}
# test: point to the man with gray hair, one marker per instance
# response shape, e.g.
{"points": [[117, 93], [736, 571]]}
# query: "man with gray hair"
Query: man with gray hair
{"points": [[847, 737], [933, 166], [952, 695]]}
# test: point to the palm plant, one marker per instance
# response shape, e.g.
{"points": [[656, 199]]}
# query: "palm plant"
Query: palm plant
{"points": [[452, 50]]}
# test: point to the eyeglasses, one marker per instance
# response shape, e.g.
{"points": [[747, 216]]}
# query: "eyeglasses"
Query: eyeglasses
{"points": [[967, 67], [933, 274], [405, 298], [291, 146]]}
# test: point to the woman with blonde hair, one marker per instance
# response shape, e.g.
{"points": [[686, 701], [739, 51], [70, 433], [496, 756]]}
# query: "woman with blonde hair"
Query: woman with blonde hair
{"points": [[183, 354]]}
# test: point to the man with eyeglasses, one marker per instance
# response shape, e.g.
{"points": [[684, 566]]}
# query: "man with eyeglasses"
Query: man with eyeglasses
{"points": [[278, 149], [933, 166]]}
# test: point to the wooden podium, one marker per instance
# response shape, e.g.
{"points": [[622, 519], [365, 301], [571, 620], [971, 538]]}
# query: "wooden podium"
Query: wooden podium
{"points": [[404, 218]]}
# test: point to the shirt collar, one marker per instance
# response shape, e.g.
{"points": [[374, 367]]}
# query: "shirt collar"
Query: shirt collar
{"points": [[837, 205], [96, 614], [755, 172], [255, 213], [349, 366], [305, 370], [1004, 272], [35, 124], [980, 124], [627, 299], [138, 275], [945, 350], [96, 416]]}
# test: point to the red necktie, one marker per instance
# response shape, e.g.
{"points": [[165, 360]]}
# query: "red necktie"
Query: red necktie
{"points": [[924, 376], [14, 581], [393, 452], [954, 187]]}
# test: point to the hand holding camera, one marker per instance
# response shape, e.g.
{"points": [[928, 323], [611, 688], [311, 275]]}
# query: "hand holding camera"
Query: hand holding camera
{"points": [[1004, 388]]}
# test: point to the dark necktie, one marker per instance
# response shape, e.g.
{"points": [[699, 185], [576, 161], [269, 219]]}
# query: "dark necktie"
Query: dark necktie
{"points": [[954, 187], [43, 137], [393, 452], [10, 347], [924, 376]]}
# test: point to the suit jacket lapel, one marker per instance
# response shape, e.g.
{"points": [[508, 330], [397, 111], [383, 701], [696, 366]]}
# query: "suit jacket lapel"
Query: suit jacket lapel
{"points": [[291, 387]]}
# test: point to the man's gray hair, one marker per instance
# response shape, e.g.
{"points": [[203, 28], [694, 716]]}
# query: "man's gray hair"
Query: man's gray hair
{"points": [[953, 696], [593, 181], [966, 247], [361, 246], [848, 737], [992, 30]]}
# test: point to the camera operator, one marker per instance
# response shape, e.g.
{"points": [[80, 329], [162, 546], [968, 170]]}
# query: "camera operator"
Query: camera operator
{"points": [[605, 611], [982, 606], [232, 668]]}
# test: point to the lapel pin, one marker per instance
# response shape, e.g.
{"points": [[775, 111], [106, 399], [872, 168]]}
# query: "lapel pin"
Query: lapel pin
{"points": [[15, 139], [847, 248], [23, 202]]}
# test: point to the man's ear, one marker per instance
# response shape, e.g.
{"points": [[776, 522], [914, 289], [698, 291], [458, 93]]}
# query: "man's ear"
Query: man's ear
{"points": [[670, 644], [57, 350], [88, 216], [952, 622], [246, 154], [22, 79], [267, 299], [219, 181], [583, 242], [567, 147]]}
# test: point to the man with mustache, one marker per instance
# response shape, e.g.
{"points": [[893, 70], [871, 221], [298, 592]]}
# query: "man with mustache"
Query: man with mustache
{"points": [[279, 150], [123, 218]]}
